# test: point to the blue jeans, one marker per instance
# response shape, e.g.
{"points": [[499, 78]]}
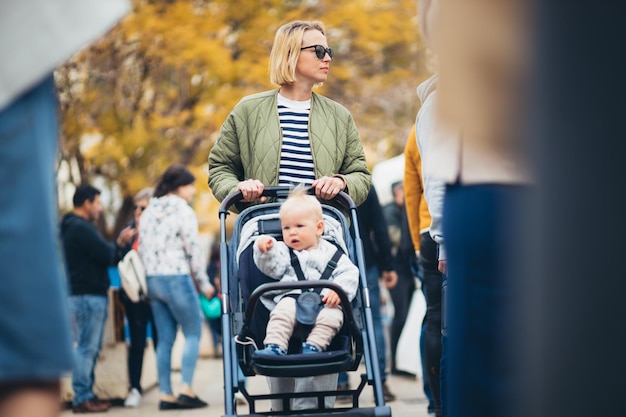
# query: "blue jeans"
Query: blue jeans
{"points": [[33, 277], [174, 303], [89, 313], [482, 228]]}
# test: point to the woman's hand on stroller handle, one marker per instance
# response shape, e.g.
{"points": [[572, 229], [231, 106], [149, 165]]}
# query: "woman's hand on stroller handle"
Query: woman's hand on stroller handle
{"points": [[278, 191], [251, 190], [327, 188]]}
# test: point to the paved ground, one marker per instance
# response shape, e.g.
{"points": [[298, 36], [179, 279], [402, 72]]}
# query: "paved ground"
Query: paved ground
{"points": [[209, 382]]}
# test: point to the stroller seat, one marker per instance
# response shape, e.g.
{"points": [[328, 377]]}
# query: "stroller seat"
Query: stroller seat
{"points": [[344, 352], [245, 316], [300, 365]]}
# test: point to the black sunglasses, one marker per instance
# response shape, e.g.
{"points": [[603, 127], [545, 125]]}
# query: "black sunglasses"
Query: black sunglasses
{"points": [[320, 51]]}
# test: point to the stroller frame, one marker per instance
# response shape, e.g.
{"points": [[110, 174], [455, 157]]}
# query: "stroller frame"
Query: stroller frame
{"points": [[235, 319]]}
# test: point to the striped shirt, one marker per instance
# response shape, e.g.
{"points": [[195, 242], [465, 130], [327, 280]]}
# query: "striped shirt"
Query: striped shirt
{"points": [[296, 161]]}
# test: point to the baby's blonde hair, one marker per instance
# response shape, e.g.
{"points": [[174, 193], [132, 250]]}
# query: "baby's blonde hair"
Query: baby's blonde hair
{"points": [[298, 197]]}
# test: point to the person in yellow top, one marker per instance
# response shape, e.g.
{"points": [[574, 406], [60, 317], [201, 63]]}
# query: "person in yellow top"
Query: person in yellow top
{"points": [[419, 216], [426, 251]]}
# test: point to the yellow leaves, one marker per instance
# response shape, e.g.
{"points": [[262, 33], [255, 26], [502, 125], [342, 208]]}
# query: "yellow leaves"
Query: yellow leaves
{"points": [[158, 86]]}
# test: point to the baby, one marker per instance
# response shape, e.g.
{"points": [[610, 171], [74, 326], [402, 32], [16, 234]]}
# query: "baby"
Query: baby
{"points": [[302, 225]]}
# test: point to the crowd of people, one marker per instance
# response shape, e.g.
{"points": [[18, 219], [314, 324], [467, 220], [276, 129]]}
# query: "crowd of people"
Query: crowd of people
{"points": [[165, 232], [453, 225]]}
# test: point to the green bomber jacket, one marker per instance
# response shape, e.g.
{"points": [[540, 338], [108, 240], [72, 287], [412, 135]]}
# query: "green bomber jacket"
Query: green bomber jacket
{"points": [[249, 143]]}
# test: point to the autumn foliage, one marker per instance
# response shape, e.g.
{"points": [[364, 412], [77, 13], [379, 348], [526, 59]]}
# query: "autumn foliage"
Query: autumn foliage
{"points": [[157, 87]]}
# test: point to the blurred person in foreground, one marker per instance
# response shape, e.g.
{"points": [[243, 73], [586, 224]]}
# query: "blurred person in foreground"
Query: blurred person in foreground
{"points": [[576, 300], [33, 278], [175, 265], [477, 180], [290, 136]]}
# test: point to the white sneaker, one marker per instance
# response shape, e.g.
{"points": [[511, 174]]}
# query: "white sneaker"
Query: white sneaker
{"points": [[133, 399], [240, 399]]}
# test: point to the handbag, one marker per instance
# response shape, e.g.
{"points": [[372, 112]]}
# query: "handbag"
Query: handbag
{"points": [[133, 276], [212, 309]]}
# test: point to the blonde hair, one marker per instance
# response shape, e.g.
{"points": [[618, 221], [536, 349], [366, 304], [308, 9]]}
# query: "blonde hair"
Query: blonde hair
{"points": [[286, 50], [299, 198], [144, 194]]}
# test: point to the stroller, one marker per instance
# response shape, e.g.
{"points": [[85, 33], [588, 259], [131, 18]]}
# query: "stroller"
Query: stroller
{"points": [[244, 317]]}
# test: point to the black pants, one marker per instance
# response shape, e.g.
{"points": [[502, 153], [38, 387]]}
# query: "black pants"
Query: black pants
{"points": [[401, 295], [431, 287], [138, 315]]}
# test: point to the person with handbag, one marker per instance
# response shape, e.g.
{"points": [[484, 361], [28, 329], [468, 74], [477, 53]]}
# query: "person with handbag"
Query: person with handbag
{"points": [[175, 267], [138, 313]]}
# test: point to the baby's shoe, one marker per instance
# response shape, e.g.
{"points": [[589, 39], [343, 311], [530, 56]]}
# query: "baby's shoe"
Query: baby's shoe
{"points": [[309, 348], [272, 349]]}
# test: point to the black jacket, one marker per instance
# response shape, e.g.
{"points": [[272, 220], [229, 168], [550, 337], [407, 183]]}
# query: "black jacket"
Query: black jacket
{"points": [[374, 233], [87, 256]]}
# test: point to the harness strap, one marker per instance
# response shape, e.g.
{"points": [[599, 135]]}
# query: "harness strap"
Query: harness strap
{"points": [[330, 266]]}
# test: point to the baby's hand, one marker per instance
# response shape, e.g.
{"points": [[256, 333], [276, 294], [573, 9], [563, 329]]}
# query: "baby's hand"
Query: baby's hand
{"points": [[265, 243], [331, 299]]}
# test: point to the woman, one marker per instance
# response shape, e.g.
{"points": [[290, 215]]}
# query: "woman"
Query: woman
{"points": [[290, 136], [175, 265], [477, 184], [138, 315]]}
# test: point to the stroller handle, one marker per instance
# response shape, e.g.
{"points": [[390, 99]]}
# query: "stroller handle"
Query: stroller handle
{"points": [[297, 285], [282, 191]]}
